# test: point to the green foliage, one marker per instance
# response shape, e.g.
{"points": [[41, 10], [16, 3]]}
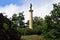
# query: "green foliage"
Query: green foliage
{"points": [[6, 26], [38, 30], [14, 17], [53, 23], [50, 34], [37, 21], [18, 20], [25, 31], [55, 13]]}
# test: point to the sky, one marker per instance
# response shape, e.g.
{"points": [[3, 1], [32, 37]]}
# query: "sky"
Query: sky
{"points": [[41, 7]]}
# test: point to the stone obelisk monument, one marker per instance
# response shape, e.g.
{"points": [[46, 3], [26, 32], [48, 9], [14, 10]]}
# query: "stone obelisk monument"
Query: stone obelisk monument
{"points": [[31, 17]]}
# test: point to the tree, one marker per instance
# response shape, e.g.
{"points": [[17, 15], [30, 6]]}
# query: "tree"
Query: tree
{"points": [[55, 14], [53, 23], [37, 21], [49, 31], [38, 30], [14, 19], [38, 25], [18, 20]]}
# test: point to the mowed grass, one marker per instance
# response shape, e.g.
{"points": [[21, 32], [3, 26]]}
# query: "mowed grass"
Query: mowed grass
{"points": [[32, 37]]}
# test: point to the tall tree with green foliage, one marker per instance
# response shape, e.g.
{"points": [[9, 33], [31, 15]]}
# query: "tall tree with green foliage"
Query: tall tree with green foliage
{"points": [[38, 25], [37, 21], [55, 14], [53, 23], [18, 19], [14, 19], [21, 19]]}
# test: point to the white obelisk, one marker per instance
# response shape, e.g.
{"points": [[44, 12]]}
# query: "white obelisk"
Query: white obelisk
{"points": [[31, 17]]}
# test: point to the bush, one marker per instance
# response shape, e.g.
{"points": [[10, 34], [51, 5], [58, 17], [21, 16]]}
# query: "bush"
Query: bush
{"points": [[50, 34], [25, 31], [37, 30], [6, 26]]}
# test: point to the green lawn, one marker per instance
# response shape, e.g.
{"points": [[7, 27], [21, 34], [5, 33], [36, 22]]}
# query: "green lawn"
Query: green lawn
{"points": [[32, 37]]}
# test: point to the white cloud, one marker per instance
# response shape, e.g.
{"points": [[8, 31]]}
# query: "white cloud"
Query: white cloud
{"points": [[39, 9], [55, 1], [9, 9]]}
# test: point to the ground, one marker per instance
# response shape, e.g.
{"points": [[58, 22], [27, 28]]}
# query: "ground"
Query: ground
{"points": [[32, 37]]}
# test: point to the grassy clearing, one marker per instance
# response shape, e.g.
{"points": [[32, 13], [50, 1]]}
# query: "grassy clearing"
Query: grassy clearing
{"points": [[32, 37], [35, 37]]}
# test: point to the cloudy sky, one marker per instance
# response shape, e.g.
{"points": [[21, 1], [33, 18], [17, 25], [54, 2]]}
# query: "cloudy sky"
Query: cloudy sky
{"points": [[41, 7]]}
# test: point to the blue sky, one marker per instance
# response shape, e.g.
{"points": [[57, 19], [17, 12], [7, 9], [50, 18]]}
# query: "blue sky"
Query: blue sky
{"points": [[21, 2], [41, 7], [7, 2]]}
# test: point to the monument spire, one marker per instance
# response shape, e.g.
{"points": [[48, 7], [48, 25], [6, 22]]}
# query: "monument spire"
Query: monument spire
{"points": [[31, 17]]}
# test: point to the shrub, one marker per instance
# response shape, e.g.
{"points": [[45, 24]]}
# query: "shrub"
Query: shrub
{"points": [[25, 31], [37, 30]]}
